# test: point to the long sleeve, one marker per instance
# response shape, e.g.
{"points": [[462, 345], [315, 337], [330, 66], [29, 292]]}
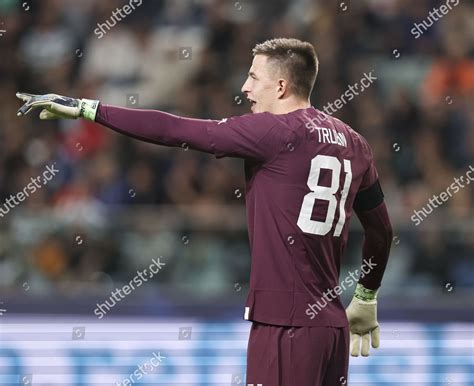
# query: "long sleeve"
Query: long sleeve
{"points": [[256, 136], [377, 243], [157, 127]]}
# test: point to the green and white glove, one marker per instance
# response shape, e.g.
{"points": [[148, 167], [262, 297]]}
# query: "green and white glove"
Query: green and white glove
{"points": [[57, 106], [362, 315]]}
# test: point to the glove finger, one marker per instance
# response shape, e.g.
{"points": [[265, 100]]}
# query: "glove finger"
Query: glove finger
{"points": [[23, 110], [25, 97], [376, 337], [35, 103], [365, 344], [32, 104], [355, 345], [45, 115], [63, 111]]}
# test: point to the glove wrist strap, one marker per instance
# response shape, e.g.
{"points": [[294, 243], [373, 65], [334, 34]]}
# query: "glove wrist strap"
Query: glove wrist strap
{"points": [[88, 109], [365, 294]]}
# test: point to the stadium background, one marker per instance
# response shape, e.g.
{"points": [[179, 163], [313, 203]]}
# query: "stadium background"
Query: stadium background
{"points": [[118, 203]]}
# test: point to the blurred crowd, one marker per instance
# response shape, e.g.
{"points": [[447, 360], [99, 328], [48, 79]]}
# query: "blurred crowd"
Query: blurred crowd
{"points": [[190, 57]]}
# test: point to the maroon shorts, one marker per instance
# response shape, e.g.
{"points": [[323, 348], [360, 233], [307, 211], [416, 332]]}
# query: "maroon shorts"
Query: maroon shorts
{"points": [[297, 356]]}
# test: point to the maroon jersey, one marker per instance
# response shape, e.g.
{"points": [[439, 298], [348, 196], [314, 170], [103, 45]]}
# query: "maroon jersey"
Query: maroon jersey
{"points": [[303, 170]]}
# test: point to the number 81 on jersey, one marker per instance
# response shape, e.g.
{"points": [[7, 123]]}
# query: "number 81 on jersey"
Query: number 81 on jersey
{"points": [[326, 193]]}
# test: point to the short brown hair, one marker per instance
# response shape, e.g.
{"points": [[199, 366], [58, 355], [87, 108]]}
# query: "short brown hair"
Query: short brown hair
{"points": [[296, 58]]}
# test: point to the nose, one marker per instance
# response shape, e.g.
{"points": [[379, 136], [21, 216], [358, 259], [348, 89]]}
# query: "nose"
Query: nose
{"points": [[245, 87]]}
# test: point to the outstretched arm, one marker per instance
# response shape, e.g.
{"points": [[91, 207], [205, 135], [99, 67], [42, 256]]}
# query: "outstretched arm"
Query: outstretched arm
{"points": [[158, 127], [255, 136]]}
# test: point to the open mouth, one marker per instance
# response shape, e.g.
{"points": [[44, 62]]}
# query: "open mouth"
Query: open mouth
{"points": [[252, 103]]}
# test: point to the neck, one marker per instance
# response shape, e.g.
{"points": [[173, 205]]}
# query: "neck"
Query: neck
{"points": [[291, 105]]}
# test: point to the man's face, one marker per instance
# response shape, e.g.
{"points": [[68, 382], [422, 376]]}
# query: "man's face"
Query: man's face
{"points": [[262, 85]]}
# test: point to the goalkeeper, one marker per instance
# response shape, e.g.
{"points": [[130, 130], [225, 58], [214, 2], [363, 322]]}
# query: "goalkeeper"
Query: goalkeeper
{"points": [[301, 185]]}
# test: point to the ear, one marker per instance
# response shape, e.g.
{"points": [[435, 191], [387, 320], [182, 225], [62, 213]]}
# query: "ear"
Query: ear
{"points": [[282, 88]]}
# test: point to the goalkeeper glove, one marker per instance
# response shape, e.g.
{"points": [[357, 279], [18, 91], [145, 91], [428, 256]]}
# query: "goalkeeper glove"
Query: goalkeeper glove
{"points": [[362, 316], [57, 106]]}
